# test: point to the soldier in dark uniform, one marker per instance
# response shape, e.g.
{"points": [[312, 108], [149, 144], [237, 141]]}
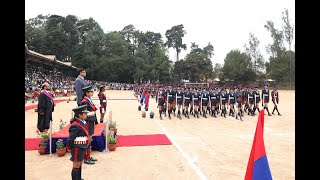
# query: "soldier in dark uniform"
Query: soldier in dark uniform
{"points": [[250, 101], [170, 99], [231, 101], [174, 103], [179, 100], [275, 99], [223, 100], [103, 103], [91, 119], [195, 101], [245, 98], [183, 90], [265, 98], [78, 140], [200, 100], [257, 99], [187, 100], [218, 100], [160, 99], [238, 97], [205, 101], [213, 101]]}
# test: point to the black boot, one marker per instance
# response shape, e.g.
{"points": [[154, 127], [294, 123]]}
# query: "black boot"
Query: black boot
{"points": [[197, 113], [169, 114], [273, 110], [187, 114], [268, 111], [80, 173], [183, 113], [165, 112], [160, 112], [258, 110], [225, 112], [204, 114], [75, 174], [174, 112], [278, 111]]}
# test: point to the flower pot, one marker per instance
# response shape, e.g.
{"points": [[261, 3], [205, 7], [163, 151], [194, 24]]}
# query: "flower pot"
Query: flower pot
{"points": [[139, 108], [151, 116], [32, 101], [35, 110], [61, 152], [112, 147], [68, 101], [143, 115], [42, 150]]}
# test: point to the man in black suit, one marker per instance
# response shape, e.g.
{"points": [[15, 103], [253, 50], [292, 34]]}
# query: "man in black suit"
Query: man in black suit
{"points": [[45, 108], [80, 83]]}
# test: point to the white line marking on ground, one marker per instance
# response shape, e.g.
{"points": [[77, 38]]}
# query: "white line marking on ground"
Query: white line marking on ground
{"points": [[183, 153]]}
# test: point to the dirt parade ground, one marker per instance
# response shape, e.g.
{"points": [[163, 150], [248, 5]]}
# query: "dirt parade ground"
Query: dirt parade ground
{"points": [[212, 148]]}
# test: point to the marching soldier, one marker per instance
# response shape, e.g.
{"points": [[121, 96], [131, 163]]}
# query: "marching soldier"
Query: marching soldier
{"points": [[250, 101], [187, 100], [174, 103], [200, 100], [218, 100], [179, 100], [78, 140], [103, 103], [91, 119], [213, 101], [223, 99], [205, 101], [239, 105], [195, 101], [257, 99], [275, 99], [245, 98], [183, 90], [170, 99], [265, 98], [231, 99], [160, 99]]}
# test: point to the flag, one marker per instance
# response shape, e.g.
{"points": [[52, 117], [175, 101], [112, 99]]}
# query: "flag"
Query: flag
{"points": [[258, 166]]}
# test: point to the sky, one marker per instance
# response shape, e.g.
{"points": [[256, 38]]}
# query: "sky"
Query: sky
{"points": [[226, 24]]}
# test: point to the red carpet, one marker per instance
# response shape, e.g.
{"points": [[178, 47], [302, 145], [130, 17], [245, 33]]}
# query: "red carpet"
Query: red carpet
{"points": [[143, 140], [32, 143], [36, 105], [64, 133]]}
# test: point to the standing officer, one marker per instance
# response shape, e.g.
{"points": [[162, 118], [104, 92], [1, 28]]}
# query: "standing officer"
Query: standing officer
{"points": [[103, 102], [91, 119], [78, 140]]}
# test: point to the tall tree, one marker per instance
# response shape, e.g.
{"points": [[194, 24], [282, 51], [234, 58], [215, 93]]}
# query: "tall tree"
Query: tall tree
{"points": [[174, 39], [253, 51], [288, 35], [238, 67]]}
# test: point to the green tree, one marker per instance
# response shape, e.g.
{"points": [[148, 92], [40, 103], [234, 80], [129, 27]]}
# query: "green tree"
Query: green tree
{"points": [[174, 39], [238, 67], [288, 30], [253, 51]]}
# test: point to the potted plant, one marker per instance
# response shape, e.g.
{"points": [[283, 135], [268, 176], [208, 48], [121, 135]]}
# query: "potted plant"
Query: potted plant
{"points": [[32, 101], [113, 126], [43, 143], [60, 149], [143, 113], [139, 108], [112, 143], [151, 114]]}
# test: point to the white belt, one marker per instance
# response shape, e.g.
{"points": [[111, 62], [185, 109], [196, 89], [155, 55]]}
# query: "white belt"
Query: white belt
{"points": [[213, 98], [81, 138], [187, 98], [91, 113], [223, 98], [205, 98], [195, 98], [104, 100], [178, 96], [169, 95], [250, 97], [231, 97]]}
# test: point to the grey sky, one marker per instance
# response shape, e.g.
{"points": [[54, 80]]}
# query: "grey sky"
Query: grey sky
{"points": [[226, 24]]}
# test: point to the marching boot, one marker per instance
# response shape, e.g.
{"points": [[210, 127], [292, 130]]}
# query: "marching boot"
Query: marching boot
{"points": [[268, 111], [204, 114], [214, 114], [258, 110], [165, 112], [174, 112], [273, 110], [241, 112], [278, 111], [233, 112], [225, 112], [197, 113], [183, 113], [240, 118], [249, 110], [187, 114], [80, 169], [75, 174], [160, 112], [191, 110], [169, 114]]}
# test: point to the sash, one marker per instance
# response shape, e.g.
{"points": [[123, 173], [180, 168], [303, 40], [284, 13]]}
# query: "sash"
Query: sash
{"points": [[85, 130], [92, 106], [47, 94]]}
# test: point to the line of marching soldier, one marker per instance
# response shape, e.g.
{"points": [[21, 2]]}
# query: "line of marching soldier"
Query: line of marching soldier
{"points": [[214, 100]]}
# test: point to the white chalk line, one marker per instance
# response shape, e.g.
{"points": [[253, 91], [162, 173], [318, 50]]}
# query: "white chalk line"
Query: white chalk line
{"points": [[191, 161]]}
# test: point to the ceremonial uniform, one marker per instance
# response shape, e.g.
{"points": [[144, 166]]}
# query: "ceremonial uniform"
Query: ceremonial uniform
{"points": [[195, 101], [213, 101], [231, 101], [238, 96], [187, 100], [170, 97], [223, 100], [250, 101], [160, 99], [257, 99], [265, 98], [103, 103], [78, 141], [205, 101], [275, 100]]}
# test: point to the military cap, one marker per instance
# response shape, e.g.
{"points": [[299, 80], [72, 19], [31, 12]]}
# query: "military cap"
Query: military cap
{"points": [[80, 109], [102, 87], [87, 88]]}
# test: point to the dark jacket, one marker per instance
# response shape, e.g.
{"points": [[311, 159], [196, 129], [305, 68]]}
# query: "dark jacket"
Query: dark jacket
{"points": [[46, 106], [76, 131]]}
